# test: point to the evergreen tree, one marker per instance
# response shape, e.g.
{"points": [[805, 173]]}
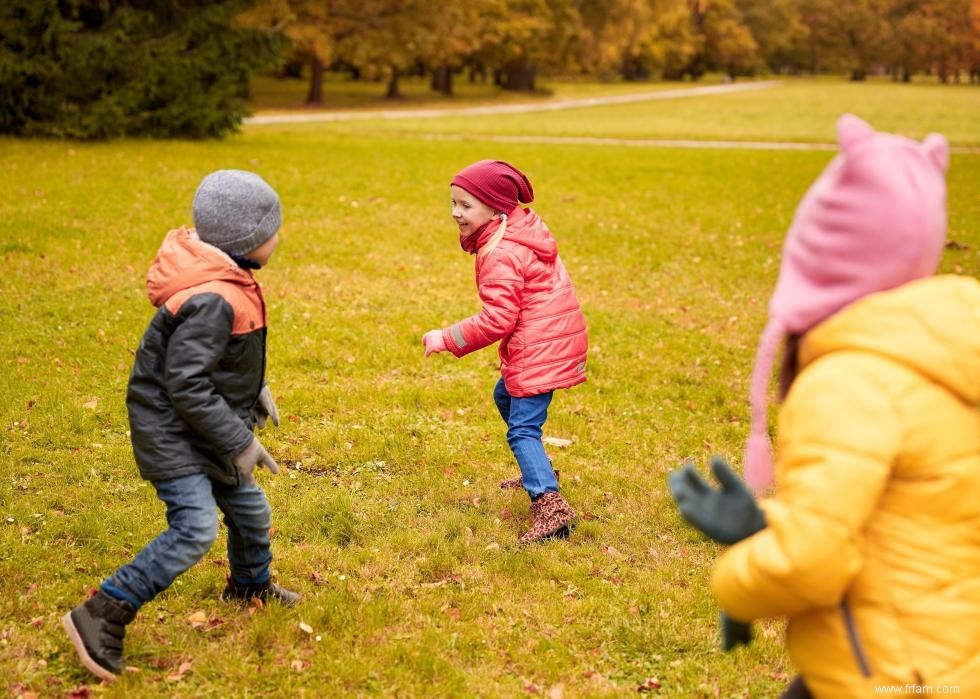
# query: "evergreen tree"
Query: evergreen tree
{"points": [[97, 69]]}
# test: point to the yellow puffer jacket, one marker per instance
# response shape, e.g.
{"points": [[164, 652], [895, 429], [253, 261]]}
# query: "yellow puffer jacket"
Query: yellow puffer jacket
{"points": [[872, 544]]}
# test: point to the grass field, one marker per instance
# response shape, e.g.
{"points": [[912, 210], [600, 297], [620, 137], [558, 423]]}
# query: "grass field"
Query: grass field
{"points": [[389, 519]]}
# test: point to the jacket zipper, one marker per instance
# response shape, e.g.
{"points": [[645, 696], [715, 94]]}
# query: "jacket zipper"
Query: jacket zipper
{"points": [[856, 648]]}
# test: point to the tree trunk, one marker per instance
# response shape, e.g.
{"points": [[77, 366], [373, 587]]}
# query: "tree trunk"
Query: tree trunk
{"points": [[906, 74], [858, 74], [520, 76], [393, 92], [442, 80], [315, 93]]}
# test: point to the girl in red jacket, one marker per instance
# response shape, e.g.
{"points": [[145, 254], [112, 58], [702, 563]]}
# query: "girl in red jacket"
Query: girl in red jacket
{"points": [[529, 305]]}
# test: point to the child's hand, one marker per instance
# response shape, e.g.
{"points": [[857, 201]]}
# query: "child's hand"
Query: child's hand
{"points": [[433, 342], [254, 455], [265, 409], [727, 514]]}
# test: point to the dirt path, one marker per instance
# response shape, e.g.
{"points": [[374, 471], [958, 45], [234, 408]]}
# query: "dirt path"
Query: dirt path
{"points": [[659, 142], [524, 107]]}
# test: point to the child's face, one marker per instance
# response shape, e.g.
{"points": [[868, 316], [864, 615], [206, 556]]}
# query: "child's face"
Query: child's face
{"points": [[468, 212], [262, 253]]}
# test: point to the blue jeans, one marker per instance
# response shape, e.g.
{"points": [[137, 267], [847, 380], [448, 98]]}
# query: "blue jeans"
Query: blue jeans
{"points": [[525, 417], [192, 503]]}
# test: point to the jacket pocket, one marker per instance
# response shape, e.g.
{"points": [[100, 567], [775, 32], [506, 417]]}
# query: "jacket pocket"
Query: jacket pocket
{"points": [[852, 636]]}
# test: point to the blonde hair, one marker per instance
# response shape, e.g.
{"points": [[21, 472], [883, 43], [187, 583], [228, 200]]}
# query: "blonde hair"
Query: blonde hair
{"points": [[495, 238]]}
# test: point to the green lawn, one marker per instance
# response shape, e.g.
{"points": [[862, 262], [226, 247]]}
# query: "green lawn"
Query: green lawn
{"points": [[389, 519]]}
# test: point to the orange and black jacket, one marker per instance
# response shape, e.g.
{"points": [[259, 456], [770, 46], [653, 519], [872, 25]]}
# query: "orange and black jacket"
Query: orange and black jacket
{"points": [[200, 365]]}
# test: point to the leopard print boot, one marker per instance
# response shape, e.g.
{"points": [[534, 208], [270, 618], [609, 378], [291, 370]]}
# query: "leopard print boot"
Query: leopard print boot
{"points": [[551, 517]]}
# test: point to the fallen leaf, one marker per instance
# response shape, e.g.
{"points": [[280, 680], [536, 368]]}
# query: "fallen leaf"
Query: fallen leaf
{"points": [[181, 671], [611, 551], [305, 628], [557, 692], [557, 441], [256, 603], [91, 404], [316, 577], [492, 547], [453, 613], [299, 665], [649, 684], [198, 619], [81, 692], [532, 688]]}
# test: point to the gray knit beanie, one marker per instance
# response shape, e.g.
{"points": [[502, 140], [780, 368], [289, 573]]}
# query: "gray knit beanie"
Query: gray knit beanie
{"points": [[236, 211]]}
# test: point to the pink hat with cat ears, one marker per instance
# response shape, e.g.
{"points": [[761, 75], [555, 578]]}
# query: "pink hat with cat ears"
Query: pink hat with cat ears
{"points": [[873, 220]]}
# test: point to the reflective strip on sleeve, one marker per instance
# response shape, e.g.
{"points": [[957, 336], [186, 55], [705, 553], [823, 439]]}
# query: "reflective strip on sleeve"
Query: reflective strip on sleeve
{"points": [[458, 336]]}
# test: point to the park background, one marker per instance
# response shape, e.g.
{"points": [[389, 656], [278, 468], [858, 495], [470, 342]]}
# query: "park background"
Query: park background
{"points": [[669, 203]]}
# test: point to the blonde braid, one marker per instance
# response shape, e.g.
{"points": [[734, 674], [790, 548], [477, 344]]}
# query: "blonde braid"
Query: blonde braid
{"points": [[495, 238]]}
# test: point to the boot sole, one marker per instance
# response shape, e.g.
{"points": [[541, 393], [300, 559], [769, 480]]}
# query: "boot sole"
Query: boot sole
{"points": [[561, 532], [87, 661]]}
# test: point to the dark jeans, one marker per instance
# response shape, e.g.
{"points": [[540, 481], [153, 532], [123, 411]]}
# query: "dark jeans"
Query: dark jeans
{"points": [[192, 503], [525, 417]]}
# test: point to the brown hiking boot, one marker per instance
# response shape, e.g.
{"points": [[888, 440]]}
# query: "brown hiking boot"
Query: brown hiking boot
{"points": [[551, 517], [517, 483]]}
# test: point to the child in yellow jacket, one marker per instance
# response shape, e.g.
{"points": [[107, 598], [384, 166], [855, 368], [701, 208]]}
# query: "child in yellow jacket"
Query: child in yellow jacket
{"points": [[871, 544]]}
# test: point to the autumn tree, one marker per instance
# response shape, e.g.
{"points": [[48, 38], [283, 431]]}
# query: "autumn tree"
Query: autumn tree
{"points": [[778, 30]]}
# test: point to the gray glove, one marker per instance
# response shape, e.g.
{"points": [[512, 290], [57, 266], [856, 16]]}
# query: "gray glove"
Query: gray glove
{"points": [[254, 455], [727, 514], [265, 408]]}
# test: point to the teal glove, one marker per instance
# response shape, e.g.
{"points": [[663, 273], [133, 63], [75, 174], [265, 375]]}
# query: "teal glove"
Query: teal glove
{"points": [[734, 633], [728, 514]]}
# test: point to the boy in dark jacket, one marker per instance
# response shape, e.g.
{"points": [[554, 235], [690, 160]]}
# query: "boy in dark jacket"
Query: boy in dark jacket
{"points": [[196, 392]]}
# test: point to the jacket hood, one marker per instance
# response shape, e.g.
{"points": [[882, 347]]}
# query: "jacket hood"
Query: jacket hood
{"points": [[524, 227], [931, 325], [184, 261]]}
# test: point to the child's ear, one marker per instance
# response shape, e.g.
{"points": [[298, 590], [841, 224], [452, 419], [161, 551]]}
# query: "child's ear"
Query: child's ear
{"points": [[852, 130], [937, 148]]}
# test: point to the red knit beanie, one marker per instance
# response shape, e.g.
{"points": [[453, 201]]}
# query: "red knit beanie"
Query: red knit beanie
{"points": [[497, 184]]}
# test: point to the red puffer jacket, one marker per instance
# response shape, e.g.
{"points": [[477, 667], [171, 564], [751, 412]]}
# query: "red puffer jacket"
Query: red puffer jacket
{"points": [[529, 304]]}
